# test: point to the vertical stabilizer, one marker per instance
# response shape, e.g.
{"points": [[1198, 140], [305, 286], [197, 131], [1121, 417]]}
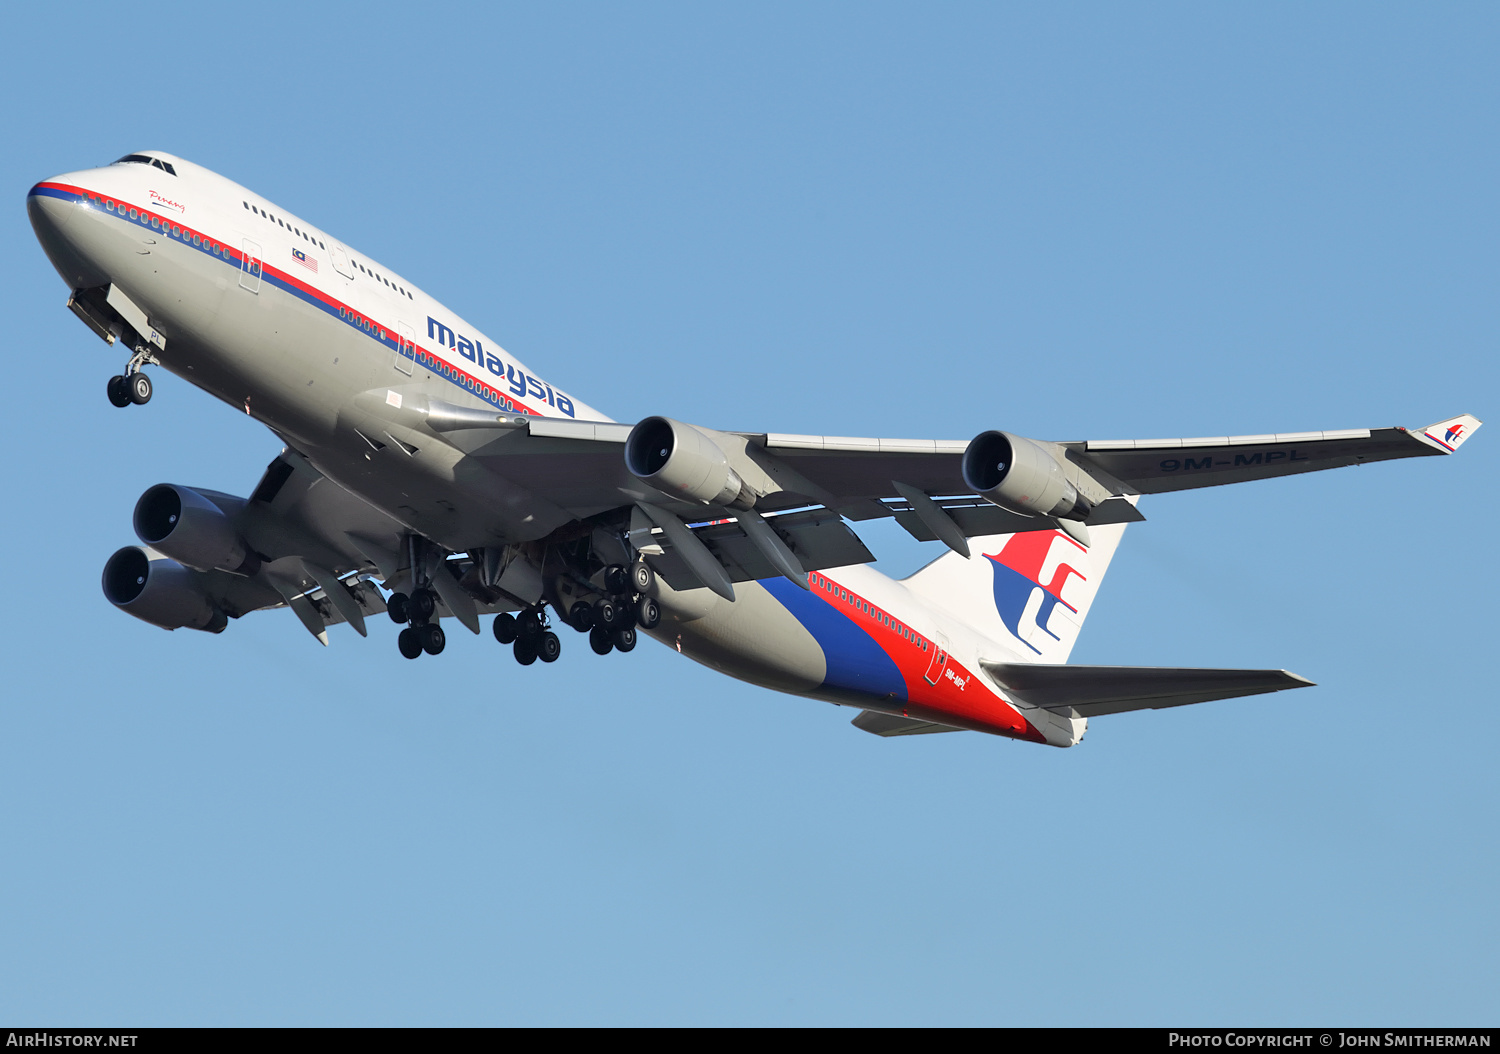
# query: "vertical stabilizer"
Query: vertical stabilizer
{"points": [[1028, 592]]}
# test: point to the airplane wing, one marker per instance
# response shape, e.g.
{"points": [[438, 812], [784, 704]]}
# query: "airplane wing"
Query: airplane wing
{"points": [[865, 478], [1154, 466], [299, 541], [777, 505], [802, 487]]}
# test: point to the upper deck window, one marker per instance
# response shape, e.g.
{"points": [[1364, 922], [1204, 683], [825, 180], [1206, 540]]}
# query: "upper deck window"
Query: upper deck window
{"points": [[142, 159]]}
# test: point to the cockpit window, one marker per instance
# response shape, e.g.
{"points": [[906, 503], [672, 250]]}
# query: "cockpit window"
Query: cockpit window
{"points": [[142, 159]]}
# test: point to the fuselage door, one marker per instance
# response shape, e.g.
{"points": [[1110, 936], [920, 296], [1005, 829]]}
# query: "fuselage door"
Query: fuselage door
{"points": [[406, 348], [938, 659], [342, 263], [250, 267]]}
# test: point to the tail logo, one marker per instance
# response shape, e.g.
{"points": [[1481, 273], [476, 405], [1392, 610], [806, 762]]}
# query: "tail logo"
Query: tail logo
{"points": [[1454, 433], [1018, 568]]}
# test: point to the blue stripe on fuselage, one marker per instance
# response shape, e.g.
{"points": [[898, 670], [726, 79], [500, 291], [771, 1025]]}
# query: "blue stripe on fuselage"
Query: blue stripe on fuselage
{"points": [[855, 662]]}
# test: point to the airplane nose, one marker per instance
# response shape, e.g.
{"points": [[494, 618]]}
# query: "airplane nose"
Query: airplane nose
{"points": [[49, 210], [53, 207]]}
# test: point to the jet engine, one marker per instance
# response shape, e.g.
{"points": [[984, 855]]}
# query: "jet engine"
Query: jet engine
{"points": [[684, 461], [193, 529], [1022, 476], [159, 591]]}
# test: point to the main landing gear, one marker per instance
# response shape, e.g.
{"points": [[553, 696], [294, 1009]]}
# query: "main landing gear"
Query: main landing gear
{"points": [[610, 621], [528, 636], [421, 634], [133, 386]]}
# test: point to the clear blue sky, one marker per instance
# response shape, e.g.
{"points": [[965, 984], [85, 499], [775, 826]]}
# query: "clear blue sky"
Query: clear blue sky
{"points": [[1096, 221]]}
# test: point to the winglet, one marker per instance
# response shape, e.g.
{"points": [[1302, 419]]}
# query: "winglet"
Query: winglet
{"points": [[1449, 435]]}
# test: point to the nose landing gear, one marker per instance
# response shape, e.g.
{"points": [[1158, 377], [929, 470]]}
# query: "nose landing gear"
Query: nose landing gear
{"points": [[133, 386]]}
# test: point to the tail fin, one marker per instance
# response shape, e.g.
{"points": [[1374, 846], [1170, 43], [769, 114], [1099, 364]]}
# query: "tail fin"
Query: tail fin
{"points": [[1030, 592]]}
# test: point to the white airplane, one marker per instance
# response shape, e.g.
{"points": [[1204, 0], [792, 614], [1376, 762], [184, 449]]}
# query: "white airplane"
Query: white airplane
{"points": [[421, 456]]}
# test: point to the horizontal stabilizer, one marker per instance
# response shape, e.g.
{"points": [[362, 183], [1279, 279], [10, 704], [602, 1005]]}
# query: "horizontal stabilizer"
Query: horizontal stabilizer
{"points": [[891, 725], [1090, 691]]}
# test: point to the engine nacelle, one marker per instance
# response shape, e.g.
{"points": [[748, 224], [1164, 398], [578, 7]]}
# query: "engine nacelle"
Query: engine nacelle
{"points": [[188, 527], [1022, 476], [160, 591], [684, 461]]}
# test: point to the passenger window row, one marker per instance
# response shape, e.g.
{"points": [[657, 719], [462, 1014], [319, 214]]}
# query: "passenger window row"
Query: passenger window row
{"points": [[368, 325], [299, 232], [899, 627], [383, 279], [302, 234], [185, 234]]}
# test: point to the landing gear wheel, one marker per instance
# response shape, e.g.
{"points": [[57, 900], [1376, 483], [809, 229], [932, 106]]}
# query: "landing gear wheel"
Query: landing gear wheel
{"points": [[529, 627], [615, 579], [599, 641], [119, 392], [581, 616], [410, 643], [623, 639], [395, 606], [647, 613], [606, 614], [421, 605], [505, 627], [525, 651], [140, 388], [433, 638], [641, 577], [549, 647]]}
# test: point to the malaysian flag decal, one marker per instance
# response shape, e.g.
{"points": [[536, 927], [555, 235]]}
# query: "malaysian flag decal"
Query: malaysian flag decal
{"points": [[305, 260]]}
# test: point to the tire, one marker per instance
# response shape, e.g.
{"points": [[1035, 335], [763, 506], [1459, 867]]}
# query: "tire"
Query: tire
{"points": [[581, 616], [529, 627], [410, 643], [119, 394], [623, 639], [600, 642], [641, 577], [421, 605], [139, 386], [615, 579], [395, 606], [647, 613], [433, 638], [505, 627], [606, 614], [525, 651], [549, 647]]}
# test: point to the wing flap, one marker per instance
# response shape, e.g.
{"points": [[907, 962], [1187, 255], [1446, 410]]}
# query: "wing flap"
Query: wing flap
{"points": [[1093, 691], [818, 538]]}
